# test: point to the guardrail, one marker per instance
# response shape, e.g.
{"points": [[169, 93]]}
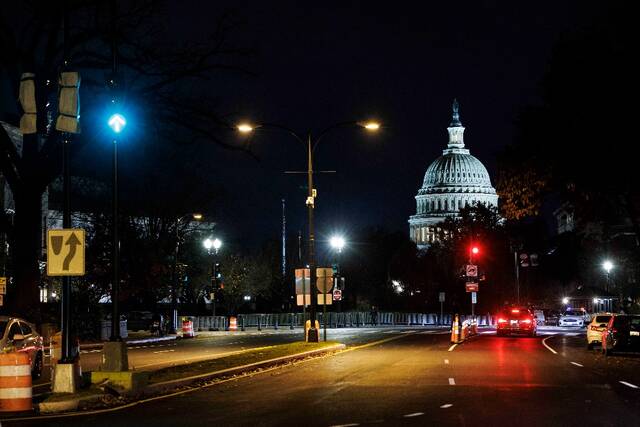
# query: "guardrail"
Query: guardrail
{"points": [[350, 319]]}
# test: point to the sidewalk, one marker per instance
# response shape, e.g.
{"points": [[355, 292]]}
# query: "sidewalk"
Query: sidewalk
{"points": [[133, 338]]}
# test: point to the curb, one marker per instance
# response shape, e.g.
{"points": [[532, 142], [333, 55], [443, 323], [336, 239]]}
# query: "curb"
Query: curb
{"points": [[132, 342], [181, 382]]}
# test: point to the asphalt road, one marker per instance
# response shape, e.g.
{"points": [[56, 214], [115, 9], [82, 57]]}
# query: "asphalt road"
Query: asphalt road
{"points": [[150, 356], [415, 379]]}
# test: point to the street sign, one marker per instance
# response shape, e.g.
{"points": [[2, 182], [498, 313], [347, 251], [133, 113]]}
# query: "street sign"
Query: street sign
{"points": [[3, 285], [325, 299], [306, 301], [337, 295], [474, 297], [472, 286], [324, 281], [65, 252], [441, 297], [472, 270], [303, 281]]}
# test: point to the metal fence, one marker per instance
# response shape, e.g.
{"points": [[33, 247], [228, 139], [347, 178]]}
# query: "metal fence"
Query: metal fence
{"points": [[351, 319]]}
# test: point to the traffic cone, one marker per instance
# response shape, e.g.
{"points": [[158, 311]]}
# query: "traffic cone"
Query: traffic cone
{"points": [[455, 330]]}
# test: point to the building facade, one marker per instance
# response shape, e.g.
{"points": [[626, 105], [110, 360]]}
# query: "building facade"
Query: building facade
{"points": [[453, 181]]}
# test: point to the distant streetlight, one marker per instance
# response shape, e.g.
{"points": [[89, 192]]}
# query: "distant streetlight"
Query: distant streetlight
{"points": [[311, 144], [216, 244], [565, 300], [337, 243]]}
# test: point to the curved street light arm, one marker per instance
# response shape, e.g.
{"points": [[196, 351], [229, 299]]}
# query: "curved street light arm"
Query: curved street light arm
{"points": [[330, 128]]}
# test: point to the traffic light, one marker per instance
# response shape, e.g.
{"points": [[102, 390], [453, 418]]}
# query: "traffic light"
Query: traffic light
{"points": [[475, 250]]}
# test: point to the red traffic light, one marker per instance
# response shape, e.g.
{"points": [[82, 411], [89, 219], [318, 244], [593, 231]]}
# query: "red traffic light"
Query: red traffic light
{"points": [[475, 250]]}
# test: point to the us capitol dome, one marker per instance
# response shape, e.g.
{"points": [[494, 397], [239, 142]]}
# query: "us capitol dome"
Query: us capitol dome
{"points": [[453, 181]]}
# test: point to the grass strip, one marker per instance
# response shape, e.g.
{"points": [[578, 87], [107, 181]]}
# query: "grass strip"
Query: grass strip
{"points": [[231, 361]]}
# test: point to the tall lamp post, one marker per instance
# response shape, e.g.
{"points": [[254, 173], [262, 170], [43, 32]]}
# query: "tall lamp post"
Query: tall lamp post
{"points": [[216, 244], [608, 266], [337, 243], [311, 143]]}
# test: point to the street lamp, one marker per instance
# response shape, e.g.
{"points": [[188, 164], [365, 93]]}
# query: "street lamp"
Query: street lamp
{"points": [[174, 291], [117, 123], [311, 144], [216, 244], [337, 243]]}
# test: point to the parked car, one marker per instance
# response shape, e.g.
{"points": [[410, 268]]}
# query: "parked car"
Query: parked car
{"points": [[21, 336], [551, 317], [596, 328], [139, 321], [516, 320], [621, 334], [574, 317]]}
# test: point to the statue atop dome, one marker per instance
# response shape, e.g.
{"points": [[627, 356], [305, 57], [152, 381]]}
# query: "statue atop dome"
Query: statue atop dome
{"points": [[455, 120]]}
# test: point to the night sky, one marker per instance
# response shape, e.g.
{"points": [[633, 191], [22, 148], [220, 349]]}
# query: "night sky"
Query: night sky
{"points": [[403, 63]]}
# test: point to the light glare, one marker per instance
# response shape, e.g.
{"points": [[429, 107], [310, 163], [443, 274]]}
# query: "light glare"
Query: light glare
{"points": [[337, 242], [245, 128], [373, 126], [608, 266], [117, 122]]}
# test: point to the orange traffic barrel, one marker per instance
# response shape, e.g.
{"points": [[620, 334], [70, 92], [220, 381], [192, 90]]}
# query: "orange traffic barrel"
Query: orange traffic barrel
{"points": [[233, 323], [187, 329], [15, 382]]}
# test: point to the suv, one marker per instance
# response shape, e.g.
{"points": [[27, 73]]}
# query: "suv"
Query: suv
{"points": [[574, 317], [622, 333], [516, 320], [20, 335]]}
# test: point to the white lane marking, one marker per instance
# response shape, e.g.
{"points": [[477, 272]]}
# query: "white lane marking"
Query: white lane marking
{"points": [[346, 425], [163, 351], [629, 384], [446, 361], [407, 332], [452, 347], [577, 364], [415, 414], [548, 348], [390, 332], [572, 334], [452, 381], [446, 405]]}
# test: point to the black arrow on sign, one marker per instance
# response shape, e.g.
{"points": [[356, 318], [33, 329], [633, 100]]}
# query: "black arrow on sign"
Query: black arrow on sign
{"points": [[72, 241]]}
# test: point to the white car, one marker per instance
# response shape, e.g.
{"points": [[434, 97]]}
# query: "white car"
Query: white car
{"points": [[574, 317], [595, 329]]}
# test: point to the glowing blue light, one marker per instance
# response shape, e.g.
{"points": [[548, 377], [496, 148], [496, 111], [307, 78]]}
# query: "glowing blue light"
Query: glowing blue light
{"points": [[117, 122]]}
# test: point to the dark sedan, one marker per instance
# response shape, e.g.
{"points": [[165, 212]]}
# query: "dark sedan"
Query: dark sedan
{"points": [[622, 334]]}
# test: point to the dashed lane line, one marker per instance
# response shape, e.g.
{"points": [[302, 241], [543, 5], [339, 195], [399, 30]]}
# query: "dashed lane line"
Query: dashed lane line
{"points": [[446, 405], [577, 364], [446, 361], [452, 381], [628, 384], [545, 344], [162, 351], [452, 347], [415, 414]]}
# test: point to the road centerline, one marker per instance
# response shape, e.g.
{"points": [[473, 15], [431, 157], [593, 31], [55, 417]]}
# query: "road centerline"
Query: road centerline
{"points": [[628, 384], [452, 347], [577, 364]]}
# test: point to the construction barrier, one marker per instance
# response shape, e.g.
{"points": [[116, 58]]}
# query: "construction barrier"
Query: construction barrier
{"points": [[187, 329], [15, 382], [233, 323], [307, 326]]}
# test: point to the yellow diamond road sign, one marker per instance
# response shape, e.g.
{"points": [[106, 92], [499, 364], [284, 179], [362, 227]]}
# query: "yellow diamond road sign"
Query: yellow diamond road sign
{"points": [[65, 252]]}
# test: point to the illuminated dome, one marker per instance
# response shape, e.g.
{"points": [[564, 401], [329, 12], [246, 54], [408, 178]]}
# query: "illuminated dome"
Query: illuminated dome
{"points": [[454, 180]]}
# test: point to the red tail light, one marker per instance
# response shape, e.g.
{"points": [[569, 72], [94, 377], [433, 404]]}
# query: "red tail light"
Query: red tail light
{"points": [[502, 320], [515, 310]]}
